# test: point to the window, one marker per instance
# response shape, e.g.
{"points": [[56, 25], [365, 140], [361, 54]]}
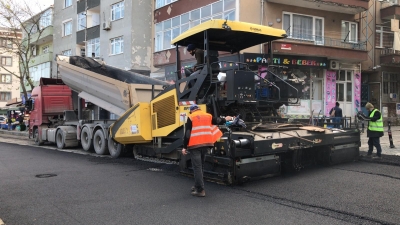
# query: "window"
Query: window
{"points": [[304, 27], [384, 37], [67, 28], [161, 3], [169, 29], [93, 47], [46, 49], [5, 78], [6, 61], [67, 3], [81, 21], [117, 11], [67, 52], [45, 19], [5, 96], [6, 43], [117, 45], [391, 83], [349, 31]]}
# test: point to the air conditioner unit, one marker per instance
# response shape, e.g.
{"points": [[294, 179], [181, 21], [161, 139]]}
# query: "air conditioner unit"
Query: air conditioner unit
{"points": [[107, 25], [334, 65], [393, 96]]}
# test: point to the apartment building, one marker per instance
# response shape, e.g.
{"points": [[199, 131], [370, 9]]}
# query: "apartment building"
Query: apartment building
{"points": [[381, 72], [40, 41], [118, 32], [324, 46], [9, 84]]}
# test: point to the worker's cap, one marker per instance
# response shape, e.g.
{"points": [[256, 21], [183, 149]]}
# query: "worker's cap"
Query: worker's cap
{"points": [[369, 106], [193, 107], [191, 47]]}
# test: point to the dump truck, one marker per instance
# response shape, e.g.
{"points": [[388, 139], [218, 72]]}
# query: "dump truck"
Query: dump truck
{"points": [[255, 144], [59, 111]]}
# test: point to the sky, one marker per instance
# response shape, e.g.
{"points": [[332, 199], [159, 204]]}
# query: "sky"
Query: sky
{"points": [[42, 4]]}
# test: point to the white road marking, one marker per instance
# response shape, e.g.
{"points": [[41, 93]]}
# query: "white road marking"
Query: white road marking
{"points": [[1, 222]]}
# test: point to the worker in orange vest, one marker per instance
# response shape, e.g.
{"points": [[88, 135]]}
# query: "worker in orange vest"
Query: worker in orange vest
{"points": [[200, 135]]}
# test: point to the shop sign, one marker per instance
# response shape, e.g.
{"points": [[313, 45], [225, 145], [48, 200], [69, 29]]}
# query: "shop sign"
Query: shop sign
{"points": [[292, 61], [256, 59], [286, 46]]}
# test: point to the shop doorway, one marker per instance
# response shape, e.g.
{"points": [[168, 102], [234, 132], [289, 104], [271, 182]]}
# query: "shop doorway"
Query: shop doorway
{"points": [[344, 91]]}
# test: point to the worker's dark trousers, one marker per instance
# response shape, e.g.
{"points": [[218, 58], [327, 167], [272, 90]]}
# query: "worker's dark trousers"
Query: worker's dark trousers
{"points": [[198, 156], [374, 141]]}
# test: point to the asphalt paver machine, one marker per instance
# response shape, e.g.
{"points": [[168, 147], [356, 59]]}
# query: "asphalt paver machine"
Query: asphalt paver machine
{"points": [[253, 145]]}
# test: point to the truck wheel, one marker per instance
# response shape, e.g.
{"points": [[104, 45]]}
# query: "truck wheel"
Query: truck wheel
{"points": [[36, 137], [60, 139], [86, 140], [114, 148], [100, 143]]}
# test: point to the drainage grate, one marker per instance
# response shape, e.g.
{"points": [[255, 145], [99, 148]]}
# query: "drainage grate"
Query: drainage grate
{"points": [[45, 175]]}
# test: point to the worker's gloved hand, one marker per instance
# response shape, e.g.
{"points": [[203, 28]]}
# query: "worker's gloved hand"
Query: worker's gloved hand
{"points": [[239, 122], [362, 116]]}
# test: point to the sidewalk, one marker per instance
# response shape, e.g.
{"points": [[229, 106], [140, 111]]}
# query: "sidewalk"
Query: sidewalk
{"points": [[386, 150]]}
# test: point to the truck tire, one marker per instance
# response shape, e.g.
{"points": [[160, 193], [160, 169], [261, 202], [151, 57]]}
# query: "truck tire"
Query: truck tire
{"points": [[60, 139], [36, 137], [114, 148], [86, 140], [100, 143]]}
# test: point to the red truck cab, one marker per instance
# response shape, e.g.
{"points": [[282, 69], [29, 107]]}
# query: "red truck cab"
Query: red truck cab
{"points": [[48, 101]]}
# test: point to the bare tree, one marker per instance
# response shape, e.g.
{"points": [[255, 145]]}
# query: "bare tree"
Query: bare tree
{"points": [[24, 27]]}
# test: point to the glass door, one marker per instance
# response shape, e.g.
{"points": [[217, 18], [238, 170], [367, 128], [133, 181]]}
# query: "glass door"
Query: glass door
{"points": [[344, 91]]}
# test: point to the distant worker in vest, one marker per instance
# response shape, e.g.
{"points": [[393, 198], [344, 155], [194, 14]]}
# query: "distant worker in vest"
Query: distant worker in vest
{"points": [[336, 113], [375, 130], [200, 135], [198, 54]]}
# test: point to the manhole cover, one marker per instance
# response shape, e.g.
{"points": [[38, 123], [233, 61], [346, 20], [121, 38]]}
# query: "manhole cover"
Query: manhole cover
{"points": [[45, 175]]}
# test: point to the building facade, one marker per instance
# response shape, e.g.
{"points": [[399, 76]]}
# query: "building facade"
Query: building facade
{"points": [[9, 83], [118, 32], [381, 71], [38, 39], [324, 46]]}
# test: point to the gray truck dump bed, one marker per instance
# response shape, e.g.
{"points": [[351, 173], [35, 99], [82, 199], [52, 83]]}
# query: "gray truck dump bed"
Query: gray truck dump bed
{"points": [[104, 89]]}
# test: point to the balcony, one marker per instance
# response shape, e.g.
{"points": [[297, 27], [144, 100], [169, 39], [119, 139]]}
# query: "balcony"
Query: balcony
{"points": [[81, 5], [389, 57], [340, 6], [329, 47], [91, 33], [42, 37], [42, 58], [390, 11]]}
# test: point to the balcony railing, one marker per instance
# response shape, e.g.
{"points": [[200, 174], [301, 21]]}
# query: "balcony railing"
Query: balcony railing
{"points": [[389, 51], [91, 33], [42, 58], [328, 41]]}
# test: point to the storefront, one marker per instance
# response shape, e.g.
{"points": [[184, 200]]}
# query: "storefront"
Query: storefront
{"points": [[322, 83]]}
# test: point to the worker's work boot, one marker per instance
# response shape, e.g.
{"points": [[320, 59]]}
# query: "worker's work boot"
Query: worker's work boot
{"points": [[199, 194]]}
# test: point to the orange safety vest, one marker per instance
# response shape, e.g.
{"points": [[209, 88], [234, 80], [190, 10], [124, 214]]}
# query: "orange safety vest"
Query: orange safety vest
{"points": [[203, 132]]}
